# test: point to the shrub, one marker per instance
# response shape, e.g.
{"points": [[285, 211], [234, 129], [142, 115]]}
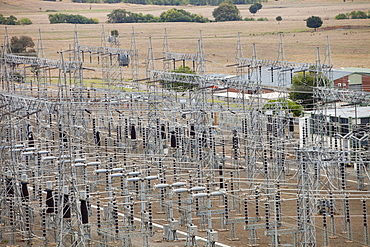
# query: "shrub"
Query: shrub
{"points": [[262, 19], [340, 17], [25, 21], [358, 15], [249, 19], [95, 20], [353, 15]]}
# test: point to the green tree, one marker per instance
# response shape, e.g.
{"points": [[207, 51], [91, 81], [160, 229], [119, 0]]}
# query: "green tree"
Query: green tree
{"points": [[253, 9], [75, 19], [226, 11], [180, 15], [314, 22], [11, 20], [258, 5], [121, 16], [184, 70], [2, 19], [284, 104], [25, 21], [181, 86], [114, 33], [302, 87], [358, 15], [279, 19], [175, 15], [21, 44], [57, 18]]}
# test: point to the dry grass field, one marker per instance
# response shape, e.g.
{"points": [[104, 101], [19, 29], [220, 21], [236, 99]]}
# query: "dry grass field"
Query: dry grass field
{"points": [[349, 39]]}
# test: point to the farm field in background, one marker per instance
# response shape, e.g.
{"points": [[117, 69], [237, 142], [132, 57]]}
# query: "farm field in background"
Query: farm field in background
{"points": [[349, 39]]}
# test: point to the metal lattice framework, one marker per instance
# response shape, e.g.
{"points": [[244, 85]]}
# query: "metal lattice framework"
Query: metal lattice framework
{"points": [[89, 167]]}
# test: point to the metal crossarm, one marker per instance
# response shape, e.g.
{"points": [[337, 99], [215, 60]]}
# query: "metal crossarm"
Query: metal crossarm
{"points": [[182, 56], [331, 94], [204, 81], [106, 50], [248, 62], [42, 62]]}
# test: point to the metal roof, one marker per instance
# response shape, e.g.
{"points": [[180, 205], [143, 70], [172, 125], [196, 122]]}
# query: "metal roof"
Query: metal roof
{"points": [[348, 112], [342, 72]]}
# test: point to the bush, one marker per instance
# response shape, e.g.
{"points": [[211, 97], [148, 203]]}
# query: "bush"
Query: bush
{"points": [[25, 21], [340, 17], [95, 20], [262, 19], [249, 19], [358, 15], [353, 15]]}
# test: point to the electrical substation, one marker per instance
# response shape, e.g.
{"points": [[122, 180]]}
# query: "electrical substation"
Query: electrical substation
{"points": [[169, 162]]}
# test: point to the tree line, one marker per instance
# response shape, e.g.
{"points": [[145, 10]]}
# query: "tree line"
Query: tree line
{"points": [[172, 2], [226, 11], [96, 1], [12, 20], [171, 15], [353, 15], [74, 19]]}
